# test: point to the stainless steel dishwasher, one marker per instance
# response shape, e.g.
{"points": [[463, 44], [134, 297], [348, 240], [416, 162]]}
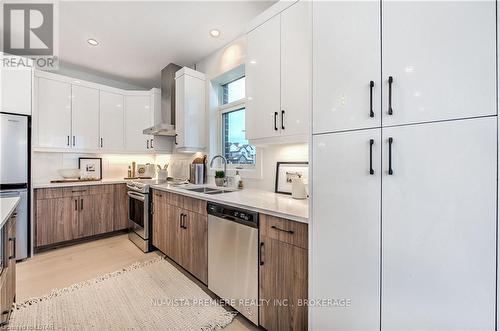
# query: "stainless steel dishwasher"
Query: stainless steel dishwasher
{"points": [[233, 270]]}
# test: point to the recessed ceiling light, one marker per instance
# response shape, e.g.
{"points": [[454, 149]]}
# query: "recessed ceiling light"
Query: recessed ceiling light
{"points": [[214, 33], [92, 42]]}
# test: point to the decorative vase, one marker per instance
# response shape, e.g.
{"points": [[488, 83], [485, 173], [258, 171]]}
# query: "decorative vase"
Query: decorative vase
{"points": [[219, 181]]}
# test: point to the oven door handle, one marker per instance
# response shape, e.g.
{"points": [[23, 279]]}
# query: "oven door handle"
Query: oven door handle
{"points": [[136, 196]]}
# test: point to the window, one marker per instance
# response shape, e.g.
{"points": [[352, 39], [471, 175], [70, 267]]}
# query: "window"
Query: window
{"points": [[235, 147], [233, 91]]}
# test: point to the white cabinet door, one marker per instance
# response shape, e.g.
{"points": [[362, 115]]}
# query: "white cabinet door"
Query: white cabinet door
{"points": [[53, 113], [85, 118], [137, 118], [15, 94], [346, 59], [438, 226], [296, 67], [190, 112], [112, 121], [441, 55], [263, 80], [346, 230]]}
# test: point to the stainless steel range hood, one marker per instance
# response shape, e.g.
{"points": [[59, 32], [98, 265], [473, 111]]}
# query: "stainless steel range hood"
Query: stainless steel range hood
{"points": [[165, 119]]}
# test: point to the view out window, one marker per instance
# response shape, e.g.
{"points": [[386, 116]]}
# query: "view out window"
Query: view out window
{"points": [[233, 91], [237, 150], [235, 147]]}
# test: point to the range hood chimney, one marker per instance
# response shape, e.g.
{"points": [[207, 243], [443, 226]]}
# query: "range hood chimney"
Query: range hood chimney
{"points": [[165, 119]]}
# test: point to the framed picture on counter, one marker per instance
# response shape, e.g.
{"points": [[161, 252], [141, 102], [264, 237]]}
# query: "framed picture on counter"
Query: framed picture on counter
{"points": [[286, 172], [91, 167]]}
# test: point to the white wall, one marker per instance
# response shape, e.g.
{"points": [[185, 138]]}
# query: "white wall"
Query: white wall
{"points": [[223, 60]]}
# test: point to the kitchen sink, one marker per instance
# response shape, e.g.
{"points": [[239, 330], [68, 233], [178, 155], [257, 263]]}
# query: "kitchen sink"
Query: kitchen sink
{"points": [[209, 190]]}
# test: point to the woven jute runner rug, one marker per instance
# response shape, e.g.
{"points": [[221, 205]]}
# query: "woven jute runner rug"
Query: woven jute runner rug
{"points": [[152, 295]]}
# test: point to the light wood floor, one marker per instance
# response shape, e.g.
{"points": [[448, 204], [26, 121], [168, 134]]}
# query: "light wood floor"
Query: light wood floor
{"points": [[65, 266]]}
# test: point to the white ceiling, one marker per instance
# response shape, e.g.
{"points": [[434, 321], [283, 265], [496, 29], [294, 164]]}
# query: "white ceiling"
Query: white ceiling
{"points": [[139, 38]]}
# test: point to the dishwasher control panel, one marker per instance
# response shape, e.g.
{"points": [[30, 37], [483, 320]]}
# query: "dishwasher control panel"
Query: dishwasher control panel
{"points": [[247, 217]]}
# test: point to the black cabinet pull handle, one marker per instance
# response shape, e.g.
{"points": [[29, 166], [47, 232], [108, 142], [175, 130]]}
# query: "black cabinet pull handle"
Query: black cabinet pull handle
{"points": [[282, 120], [68, 140], [101, 142], [390, 94], [74, 140], [175, 139], [261, 262], [76, 204], [180, 221], [371, 157], [390, 156], [151, 143], [13, 256], [275, 121], [282, 230], [372, 84], [81, 204], [147, 144], [184, 221]]}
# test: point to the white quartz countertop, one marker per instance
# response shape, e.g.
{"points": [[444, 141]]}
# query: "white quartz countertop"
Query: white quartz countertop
{"points": [[7, 207], [265, 202], [84, 183]]}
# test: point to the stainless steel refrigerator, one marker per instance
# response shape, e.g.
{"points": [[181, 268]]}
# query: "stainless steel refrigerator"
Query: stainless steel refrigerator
{"points": [[14, 173]]}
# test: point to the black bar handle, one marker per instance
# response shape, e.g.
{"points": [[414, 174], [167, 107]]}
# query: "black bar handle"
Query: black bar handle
{"points": [[282, 230], [371, 156], [13, 256], [101, 142], [282, 120], [261, 262], [76, 204], [184, 221], [390, 94], [372, 84], [147, 144], [68, 140], [74, 140], [175, 139], [390, 156], [275, 121], [151, 143], [180, 221], [81, 204]]}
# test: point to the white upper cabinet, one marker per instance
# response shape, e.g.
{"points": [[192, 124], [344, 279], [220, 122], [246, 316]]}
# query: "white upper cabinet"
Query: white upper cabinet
{"points": [[441, 57], [112, 121], [15, 94], [263, 80], [278, 76], [85, 118], [438, 226], [137, 118], [296, 69], [53, 118], [190, 123], [346, 65]]}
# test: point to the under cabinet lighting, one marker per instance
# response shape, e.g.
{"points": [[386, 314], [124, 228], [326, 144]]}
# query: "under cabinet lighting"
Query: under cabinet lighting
{"points": [[92, 42]]}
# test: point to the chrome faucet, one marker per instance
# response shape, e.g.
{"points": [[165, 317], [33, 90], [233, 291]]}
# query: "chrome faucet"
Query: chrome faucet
{"points": [[225, 165]]}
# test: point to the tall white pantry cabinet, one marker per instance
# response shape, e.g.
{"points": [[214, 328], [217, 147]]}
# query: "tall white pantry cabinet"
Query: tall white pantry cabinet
{"points": [[404, 153]]}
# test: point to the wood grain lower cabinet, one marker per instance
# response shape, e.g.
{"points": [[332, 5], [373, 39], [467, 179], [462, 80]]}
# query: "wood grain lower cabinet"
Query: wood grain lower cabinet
{"points": [[283, 274], [8, 275], [181, 233], [69, 213], [56, 220], [120, 213]]}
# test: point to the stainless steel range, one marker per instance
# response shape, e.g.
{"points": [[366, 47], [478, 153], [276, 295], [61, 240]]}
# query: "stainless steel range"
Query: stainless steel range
{"points": [[139, 212]]}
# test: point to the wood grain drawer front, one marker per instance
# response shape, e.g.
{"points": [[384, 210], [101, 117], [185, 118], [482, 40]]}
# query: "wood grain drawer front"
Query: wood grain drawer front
{"points": [[100, 189], [284, 230], [49, 193], [187, 203]]}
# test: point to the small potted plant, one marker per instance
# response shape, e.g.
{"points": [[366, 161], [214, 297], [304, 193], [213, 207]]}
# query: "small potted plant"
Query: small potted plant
{"points": [[219, 178]]}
